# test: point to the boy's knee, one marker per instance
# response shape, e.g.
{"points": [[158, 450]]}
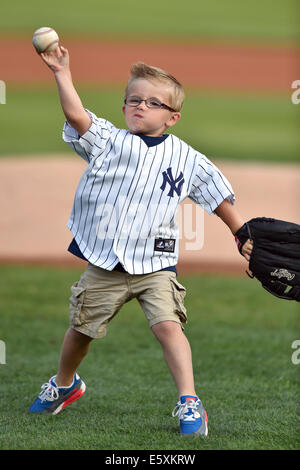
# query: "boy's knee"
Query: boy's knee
{"points": [[78, 336], [166, 328]]}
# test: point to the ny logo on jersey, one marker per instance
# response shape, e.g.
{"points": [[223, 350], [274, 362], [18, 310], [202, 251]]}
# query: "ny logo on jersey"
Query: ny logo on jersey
{"points": [[168, 178]]}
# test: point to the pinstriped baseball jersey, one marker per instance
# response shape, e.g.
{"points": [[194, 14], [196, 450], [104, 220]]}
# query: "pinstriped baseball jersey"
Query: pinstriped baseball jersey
{"points": [[126, 200]]}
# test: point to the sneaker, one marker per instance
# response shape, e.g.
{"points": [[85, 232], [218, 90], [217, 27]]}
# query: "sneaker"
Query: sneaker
{"points": [[192, 416], [53, 399]]}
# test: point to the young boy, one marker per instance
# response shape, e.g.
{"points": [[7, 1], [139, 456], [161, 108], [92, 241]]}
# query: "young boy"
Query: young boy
{"points": [[123, 225]]}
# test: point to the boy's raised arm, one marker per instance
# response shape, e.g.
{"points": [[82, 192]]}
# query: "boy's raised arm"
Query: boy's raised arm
{"points": [[58, 62]]}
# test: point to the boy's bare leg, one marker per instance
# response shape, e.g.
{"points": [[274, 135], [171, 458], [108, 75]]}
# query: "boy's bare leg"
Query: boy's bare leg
{"points": [[74, 349], [177, 354]]}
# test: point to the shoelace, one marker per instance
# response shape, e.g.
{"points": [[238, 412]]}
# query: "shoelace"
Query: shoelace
{"points": [[49, 392], [187, 411]]}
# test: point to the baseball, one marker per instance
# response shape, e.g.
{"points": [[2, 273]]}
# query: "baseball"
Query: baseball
{"points": [[45, 39]]}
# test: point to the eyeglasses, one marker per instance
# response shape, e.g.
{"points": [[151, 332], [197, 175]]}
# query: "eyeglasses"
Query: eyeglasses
{"points": [[152, 103]]}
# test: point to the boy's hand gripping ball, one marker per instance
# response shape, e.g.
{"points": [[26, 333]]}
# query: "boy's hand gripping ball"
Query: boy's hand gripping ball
{"points": [[45, 39]]}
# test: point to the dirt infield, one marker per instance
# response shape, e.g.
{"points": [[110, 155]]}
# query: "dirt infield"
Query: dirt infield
{"points": [[207, 65], [36, 197]]}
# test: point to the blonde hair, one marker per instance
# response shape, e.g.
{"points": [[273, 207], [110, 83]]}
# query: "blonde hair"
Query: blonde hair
{"points": [[149, 72]]}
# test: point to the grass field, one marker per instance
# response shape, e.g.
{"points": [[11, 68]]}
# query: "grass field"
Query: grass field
{"points": [[231, 126], [257, 20], [241, 338]]}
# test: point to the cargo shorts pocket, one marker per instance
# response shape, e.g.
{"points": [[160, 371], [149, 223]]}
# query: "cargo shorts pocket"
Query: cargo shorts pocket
{"points": [[76, 304], [179, 293]]}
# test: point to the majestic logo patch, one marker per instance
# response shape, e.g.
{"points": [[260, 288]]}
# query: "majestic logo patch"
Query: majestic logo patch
{"points": [[168, 178], [283, 273], [164, 244]]}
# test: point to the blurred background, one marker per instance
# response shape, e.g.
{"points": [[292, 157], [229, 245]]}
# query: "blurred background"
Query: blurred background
{"points": [[237, 62]]}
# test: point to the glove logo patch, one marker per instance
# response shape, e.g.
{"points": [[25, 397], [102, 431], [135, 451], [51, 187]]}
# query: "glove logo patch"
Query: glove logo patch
{"points": [[283, 273]]}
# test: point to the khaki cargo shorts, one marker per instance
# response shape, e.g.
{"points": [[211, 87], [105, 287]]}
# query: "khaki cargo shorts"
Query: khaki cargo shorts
{"points": [[99, 294]]}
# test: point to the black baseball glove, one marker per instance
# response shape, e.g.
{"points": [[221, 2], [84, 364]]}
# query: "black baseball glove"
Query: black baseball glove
{"points": [[275, 258]]}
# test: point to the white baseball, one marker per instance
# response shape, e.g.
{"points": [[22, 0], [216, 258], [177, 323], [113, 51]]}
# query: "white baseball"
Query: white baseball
{"points": [[45, 39]]}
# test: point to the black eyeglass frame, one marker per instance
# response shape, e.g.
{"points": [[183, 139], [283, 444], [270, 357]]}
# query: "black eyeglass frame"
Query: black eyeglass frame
{"points": [[161, 105]]}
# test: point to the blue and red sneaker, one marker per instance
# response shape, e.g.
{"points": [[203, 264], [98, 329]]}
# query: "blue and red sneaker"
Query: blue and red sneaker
{"points": [[53, 399], [192, 416]]}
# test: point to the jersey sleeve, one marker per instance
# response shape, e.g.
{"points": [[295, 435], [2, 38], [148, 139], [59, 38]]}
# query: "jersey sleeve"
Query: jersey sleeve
{"points": [[91, 144], [209, 186]]}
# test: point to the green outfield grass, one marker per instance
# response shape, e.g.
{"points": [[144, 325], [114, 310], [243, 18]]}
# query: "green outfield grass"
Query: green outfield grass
{"points": [[232, 19], [241, 338], [222, 126]]}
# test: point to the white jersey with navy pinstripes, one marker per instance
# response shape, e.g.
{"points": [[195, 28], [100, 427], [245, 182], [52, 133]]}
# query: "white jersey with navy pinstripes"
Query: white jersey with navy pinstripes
{"points": [[126, 200]]}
